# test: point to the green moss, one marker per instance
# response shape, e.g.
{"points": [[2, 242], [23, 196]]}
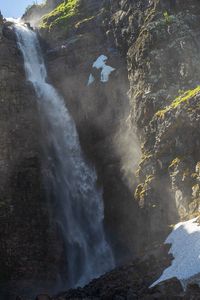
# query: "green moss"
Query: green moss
{"points": [[175, 162], [185, 98], [168, 19], [146, 156], [149, 179], [143, 187], [61, 15], [196, 187], [140, 192], [194, 175]]}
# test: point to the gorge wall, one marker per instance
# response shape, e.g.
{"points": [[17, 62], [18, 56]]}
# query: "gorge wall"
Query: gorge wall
{"points": [[100, 111], [160, 40], [154, 47], [157, 44], [28, 236]]}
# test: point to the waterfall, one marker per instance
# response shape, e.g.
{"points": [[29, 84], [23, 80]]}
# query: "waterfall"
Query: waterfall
{"points": [[77, 201]]}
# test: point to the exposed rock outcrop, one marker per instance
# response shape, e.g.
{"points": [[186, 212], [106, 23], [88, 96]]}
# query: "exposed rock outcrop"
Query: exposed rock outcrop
{"points": [[154, 47], [36, 11], [156, 38], [100, 111], [161, 42], [133, 281], [27, 252]]}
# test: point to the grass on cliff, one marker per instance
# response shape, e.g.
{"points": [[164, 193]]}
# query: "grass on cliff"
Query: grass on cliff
{"points": [[183, 98], [61, 15]]}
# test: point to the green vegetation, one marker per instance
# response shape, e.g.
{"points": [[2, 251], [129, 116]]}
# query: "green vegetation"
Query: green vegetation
{"points": [[196, 187], [140, 192], [175, 162], [160, 24], [61, 15], [182, 99], [168, 19], [145, 157], [142, 188]]}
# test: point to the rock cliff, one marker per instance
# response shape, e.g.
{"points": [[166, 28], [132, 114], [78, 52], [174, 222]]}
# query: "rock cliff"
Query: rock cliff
{"points": [[140, 129], [163, 64], [157, 43], [28, 239], [100, 111]]}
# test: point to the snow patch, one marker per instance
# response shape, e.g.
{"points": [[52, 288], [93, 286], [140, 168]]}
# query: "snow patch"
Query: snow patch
{"points": [[91, 79], [100, 63], [105, 73], [185, 240]]}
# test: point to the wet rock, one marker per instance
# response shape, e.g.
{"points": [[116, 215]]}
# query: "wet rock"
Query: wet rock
{"points": [[27, 250], [192, 292], [133, 282], [170, 287], [43, 297], [100, 111], [156, 37], [160, 41]]}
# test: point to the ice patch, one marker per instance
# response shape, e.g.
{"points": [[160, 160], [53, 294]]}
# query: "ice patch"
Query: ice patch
{"points": [[105, 73], [100, 63], [91, 79], [185, 240]]}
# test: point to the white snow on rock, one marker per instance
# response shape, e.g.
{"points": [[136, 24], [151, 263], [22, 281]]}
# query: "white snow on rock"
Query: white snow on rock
{"points": [[100, 63], [185, 240], [91, 79], [105, 73]]}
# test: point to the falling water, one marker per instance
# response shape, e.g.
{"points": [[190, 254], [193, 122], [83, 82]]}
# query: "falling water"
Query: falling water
{"points": [[78, 202]]}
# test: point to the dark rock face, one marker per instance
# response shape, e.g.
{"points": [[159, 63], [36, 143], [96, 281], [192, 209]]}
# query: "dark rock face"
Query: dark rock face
{"points": [[26, 248], [133, 281], [161, 41], [128, 282], [154, 47], [100, 111], [157, 38], [35, 12]]}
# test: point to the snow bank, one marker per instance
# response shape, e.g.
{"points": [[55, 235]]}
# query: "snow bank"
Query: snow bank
{"points": [[105, 73], [185, 240], [100, 63]]}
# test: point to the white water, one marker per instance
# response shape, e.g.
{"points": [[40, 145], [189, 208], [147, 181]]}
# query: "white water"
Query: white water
{"points": [[77, 202]]}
